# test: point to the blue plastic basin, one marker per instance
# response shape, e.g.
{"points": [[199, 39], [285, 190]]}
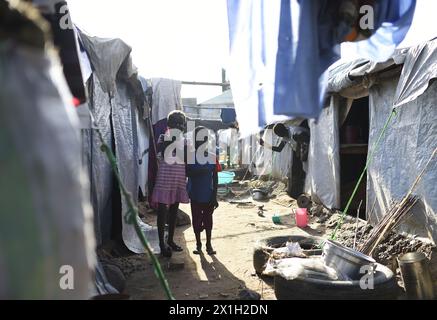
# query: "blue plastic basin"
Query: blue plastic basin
{"points": [[225, 177]]}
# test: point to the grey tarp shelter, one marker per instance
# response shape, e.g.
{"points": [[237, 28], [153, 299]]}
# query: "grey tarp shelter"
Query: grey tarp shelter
{"points": [[407, 82], [115, 98]]}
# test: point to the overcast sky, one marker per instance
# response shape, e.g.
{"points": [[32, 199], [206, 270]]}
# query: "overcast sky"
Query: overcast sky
{"points": [[188, 39]]}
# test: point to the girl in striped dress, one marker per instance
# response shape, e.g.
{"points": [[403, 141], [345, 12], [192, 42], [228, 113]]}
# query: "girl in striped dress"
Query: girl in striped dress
{"points": [[171, 182]]}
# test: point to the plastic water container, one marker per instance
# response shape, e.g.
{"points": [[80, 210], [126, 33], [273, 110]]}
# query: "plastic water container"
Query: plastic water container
{"points": [[301, 216]]}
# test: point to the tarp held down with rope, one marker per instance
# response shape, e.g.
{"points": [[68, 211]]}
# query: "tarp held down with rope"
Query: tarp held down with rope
{"points": [[406, 81]]}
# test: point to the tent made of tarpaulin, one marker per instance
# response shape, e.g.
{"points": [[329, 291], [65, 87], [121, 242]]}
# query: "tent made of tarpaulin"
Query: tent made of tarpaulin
{"points": [[406, 82], [115, 98]]}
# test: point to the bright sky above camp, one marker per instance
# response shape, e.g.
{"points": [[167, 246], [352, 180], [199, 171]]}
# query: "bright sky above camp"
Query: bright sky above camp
{"points": [[188, 39]]}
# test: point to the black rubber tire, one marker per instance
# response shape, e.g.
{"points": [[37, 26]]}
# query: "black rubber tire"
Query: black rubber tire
{"points": [[385, 288], [265, 246]]}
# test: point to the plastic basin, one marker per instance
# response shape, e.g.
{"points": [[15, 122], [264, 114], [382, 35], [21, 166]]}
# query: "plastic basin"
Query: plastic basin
{"points": [[225, 177]]}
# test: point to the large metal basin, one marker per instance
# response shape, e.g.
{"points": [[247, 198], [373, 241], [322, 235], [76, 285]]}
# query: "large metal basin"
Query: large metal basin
{"points": [[347, 262]]}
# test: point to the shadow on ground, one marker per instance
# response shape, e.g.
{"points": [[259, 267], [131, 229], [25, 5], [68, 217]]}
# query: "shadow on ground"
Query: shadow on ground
{"points": [[208, 280]]}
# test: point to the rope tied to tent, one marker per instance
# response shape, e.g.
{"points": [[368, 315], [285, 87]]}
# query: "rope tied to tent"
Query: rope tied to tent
{"points": [[131, 216], [360, 179]]}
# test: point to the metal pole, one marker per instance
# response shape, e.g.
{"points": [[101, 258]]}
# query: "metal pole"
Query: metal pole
{"points": [[200, 83], [224, 80]]}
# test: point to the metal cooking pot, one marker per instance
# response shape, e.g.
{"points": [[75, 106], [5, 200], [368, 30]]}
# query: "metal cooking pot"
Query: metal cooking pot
{"points": [[346, 261], [259, 194]]}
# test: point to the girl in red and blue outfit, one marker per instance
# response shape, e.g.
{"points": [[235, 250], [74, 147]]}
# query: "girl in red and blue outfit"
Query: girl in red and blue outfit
{"points": [[202, 190]]}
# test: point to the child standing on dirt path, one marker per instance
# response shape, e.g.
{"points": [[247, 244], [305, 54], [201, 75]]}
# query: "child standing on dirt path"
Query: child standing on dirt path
{"points": [[202, 189], [171, 182]]}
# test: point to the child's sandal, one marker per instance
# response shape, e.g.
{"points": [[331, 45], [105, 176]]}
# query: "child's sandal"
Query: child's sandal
{"points": [[175, 247], [198, 250], [210, 251], [166, 252]]}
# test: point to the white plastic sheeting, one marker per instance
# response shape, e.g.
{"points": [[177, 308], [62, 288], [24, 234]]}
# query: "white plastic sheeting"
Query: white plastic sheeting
{"points": [[293, 268], [46, 219], [166, 98], [250, 152], [266, 161], [228, 142], [281, 162], [323, 177], [143, 152]]}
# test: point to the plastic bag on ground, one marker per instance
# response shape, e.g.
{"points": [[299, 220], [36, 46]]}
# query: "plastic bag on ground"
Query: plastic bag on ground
{"points": [[151, 234], [292, 268], [291, 249]]}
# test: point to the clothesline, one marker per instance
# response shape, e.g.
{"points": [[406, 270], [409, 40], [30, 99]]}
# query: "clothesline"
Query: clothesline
{"points": [[200, 83]]}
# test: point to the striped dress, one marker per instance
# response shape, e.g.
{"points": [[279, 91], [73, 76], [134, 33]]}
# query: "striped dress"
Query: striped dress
{"points": [[171, 184]]}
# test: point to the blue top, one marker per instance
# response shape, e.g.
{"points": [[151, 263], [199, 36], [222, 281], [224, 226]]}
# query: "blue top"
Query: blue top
{"points": [[200, 188]]}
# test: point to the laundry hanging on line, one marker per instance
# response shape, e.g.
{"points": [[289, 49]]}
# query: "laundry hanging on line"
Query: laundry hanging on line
{"points": [[280, 52], [166, 98], [393, 21]]}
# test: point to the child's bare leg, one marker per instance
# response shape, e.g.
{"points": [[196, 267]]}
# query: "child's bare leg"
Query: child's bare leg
{"points": [[198, 244], [207, 221], [209, 248], [161, 219], [173, 211]]}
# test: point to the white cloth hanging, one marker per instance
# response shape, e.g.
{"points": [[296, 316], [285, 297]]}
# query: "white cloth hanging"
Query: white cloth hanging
{"points": [[166, 98]]}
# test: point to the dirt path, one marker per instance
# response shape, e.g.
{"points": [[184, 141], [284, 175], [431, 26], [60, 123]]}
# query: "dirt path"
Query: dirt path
{"points": [[235, 232]]}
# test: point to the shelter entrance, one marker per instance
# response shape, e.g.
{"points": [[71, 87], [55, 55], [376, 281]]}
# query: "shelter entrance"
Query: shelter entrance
{"points": [[354, 138]]}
